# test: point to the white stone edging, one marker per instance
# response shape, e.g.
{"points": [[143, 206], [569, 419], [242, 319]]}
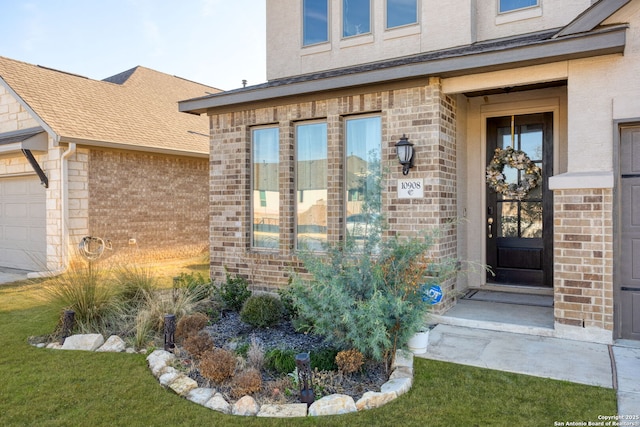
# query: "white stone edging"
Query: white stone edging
{"points": [[159, 361]]}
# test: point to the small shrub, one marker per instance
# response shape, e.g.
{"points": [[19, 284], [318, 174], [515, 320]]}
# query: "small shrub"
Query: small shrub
{"points": [[349, 361], [288, 303], [217, 364], [324, 359], [198, 344], [195, 284], [255, 354], [242, 349], [280, 361], [261, 311], [234, 292], [190, 325], [246, 382]]}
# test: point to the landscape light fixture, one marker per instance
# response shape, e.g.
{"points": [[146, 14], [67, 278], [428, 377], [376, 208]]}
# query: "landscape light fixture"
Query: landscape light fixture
{"points": [[405, 152]]}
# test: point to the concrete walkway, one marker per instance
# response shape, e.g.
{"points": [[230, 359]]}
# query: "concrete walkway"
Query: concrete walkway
{"points": [[547, 357]]}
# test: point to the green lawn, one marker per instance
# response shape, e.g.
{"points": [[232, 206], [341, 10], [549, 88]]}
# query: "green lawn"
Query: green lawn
{"points": [[40, 387]]}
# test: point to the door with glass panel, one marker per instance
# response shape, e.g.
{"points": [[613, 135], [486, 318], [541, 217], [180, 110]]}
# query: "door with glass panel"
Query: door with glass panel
{"points": [[519, 227]]}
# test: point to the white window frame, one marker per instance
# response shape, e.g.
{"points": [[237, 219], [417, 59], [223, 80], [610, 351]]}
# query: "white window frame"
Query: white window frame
{"points": [[302, 27], [252, 205], [368, 33]]}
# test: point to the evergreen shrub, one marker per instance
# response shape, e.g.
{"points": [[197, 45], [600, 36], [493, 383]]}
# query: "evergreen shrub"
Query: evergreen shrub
{"points": [[261, 311]]}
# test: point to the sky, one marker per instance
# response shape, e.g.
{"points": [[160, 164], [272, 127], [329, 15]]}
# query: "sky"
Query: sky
{"points": [[214, 42]]}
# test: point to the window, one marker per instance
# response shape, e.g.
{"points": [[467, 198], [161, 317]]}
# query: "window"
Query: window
{"points": [[315, 22], [356, 17], [401, 12], [363, 167], [266, 194], [311, 185], [509, 5]]}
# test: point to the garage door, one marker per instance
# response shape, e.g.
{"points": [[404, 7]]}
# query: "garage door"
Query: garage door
{"points": [[22, 223]]}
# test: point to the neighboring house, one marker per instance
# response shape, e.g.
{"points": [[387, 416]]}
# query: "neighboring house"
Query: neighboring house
{"points": [[112, 160], [348, 78]]}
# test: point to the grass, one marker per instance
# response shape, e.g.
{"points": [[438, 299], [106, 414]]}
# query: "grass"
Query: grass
{"points": [[42, 387]]}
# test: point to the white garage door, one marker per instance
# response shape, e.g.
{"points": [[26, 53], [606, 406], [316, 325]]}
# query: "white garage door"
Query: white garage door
{"points": [[22, 223]]}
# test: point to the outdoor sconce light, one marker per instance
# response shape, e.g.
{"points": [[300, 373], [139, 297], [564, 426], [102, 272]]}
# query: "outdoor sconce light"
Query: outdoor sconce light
{"points": [[303, 363], [405, 152], [169, 332]]}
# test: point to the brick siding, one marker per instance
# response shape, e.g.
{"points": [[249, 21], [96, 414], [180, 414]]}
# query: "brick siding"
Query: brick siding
{"points": [[158, 200], [583, 251], [421, 111]]}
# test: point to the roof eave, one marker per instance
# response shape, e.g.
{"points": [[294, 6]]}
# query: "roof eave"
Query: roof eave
{"points": [[89, 143], [603, 42]]}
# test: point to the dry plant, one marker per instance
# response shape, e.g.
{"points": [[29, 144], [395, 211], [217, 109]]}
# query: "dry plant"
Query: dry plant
{"points": [[217, 365], [255, 354]]}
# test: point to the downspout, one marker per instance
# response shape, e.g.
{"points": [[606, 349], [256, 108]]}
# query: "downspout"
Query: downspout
{"points": [[64, 190], [64, 212]]}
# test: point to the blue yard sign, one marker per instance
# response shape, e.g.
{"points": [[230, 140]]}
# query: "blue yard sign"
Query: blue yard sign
{"points": [[431, 293]]}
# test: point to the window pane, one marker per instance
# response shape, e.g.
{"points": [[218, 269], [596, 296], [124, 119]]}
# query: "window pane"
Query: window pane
{"points": [[401, 12], [507, 5], [363, 148], [315, 21], [531, 220], [266, 194], [311, 185], [356, 16]]}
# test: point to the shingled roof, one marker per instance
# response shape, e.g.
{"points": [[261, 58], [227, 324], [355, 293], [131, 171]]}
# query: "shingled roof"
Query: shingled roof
{"points": [[137, 108]]}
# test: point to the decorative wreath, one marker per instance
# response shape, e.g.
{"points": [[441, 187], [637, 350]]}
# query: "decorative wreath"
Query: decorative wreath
{"points": [[516, 159]]}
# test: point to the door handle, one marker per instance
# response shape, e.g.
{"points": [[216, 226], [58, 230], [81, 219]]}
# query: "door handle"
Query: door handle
{"points": [[490, 227]]}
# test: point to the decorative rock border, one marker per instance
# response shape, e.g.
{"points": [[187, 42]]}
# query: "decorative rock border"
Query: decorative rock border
{"points": [[400, 382]]}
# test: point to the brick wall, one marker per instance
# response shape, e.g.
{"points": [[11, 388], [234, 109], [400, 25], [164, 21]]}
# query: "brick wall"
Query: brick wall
{"points": [[420, 111], [583, 251], [158, 200]]}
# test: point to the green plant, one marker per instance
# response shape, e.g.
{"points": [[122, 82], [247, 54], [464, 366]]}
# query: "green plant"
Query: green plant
{"points": [[217, 364], [349, 361], [195, 284], [287, 298], [261, 311], [234, 292], [324, 359], [280, 361]]}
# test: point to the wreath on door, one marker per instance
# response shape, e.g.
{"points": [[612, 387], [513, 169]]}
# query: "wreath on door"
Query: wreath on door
{"points": [[516, 159]]}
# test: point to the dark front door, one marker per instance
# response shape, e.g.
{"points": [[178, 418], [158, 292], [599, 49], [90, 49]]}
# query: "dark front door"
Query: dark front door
{"points": [[520, 231], [628, 286]]}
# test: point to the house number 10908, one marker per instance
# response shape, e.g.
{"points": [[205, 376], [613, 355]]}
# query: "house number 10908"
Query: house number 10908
{"points": [[410, 188]]}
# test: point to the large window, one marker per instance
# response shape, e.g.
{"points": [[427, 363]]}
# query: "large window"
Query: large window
{"points": [[315, 22], [356, 17], [401, 12], [509, 5], [363, 167], [311, 185], [265, 189]]}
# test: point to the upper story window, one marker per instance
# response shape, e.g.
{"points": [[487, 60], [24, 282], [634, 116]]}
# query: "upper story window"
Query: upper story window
{"points": [[265, 207], [401, 12], [315, 22], [509, 5], [356, 17]]}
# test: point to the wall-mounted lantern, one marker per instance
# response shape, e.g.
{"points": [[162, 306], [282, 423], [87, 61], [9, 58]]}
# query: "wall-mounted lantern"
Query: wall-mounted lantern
{"points": [[405, 152]]}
